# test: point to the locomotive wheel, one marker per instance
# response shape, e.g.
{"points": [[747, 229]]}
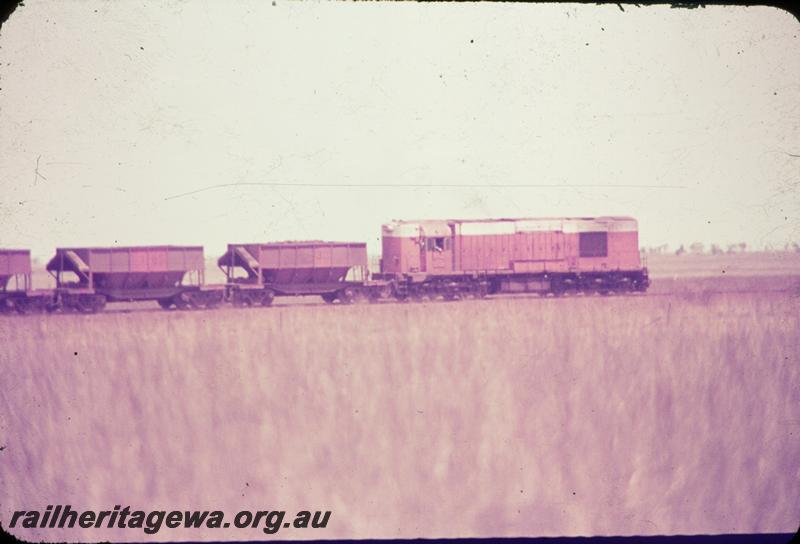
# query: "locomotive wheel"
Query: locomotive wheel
{"points": [[329, 298], [165, 303], [267, 298]]}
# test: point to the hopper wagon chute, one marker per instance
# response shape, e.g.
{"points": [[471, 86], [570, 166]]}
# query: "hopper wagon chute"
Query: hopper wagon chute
{"points": [[88, 277], [256, 273]]}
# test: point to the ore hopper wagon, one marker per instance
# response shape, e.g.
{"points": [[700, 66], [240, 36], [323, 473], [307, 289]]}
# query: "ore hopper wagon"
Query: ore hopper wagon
{"points": [[88, 277], [257, 273]]}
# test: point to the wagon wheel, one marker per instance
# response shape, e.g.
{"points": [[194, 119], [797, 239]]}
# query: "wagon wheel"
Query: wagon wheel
{"points": [[213, 300], [267, 297], [376, 294], [99, 303], [22, 307], [181, 301], [87, 304], [347, 295], [195, 300], [237, 299]]}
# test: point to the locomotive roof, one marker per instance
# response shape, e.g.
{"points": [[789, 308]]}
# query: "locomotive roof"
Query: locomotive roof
{"points": [[434, 228], [595, 218]]}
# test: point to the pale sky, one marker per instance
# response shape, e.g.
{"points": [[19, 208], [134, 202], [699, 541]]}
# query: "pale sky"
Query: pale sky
{"points": [[688, 120]]}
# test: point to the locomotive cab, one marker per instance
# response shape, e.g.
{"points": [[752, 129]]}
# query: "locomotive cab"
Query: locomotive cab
{"points": [[411, 247]]}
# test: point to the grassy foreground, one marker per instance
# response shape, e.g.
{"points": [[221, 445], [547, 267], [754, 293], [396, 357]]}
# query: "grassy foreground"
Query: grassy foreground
{"points": [[526, 416]]}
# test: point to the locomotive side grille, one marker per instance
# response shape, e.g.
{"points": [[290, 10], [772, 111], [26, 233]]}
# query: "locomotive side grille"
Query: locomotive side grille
{"points": [[593, 244]]}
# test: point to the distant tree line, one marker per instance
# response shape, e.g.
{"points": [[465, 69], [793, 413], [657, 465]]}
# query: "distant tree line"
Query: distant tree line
{"points": [[698, 248]]}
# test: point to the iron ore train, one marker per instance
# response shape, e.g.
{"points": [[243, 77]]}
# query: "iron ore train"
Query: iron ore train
{"points": [[421, 260]]}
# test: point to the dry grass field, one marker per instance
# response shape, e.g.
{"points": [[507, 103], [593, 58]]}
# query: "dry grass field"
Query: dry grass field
{"points": [[757, 264], [666, 414]]}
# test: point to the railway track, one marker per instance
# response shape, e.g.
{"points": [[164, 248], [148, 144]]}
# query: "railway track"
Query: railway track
{"points": [[145, 308]]}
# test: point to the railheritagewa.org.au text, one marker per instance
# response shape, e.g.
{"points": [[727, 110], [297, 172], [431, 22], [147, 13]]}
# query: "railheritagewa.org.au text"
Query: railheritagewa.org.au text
{"points": [[152, 521]]}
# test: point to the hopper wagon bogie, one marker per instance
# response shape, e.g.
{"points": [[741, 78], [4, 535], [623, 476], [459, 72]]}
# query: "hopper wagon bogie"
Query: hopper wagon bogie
{"points": [[257, 273], [88, 277]]}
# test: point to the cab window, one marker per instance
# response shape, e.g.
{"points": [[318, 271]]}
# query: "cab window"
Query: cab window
{"points": [[437, 244]]}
